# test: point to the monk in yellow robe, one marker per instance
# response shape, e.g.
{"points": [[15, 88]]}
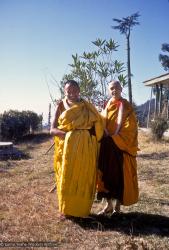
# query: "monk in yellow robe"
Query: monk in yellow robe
{"points": [[117, 177], [77, 127]]}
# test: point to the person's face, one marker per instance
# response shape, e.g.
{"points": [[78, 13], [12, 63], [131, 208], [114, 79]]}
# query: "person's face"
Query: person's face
{"points": [[115, 90], [71, 92]]}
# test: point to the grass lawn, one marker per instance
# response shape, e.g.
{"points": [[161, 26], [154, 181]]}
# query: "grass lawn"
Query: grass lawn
{"points": [[29, 212]]}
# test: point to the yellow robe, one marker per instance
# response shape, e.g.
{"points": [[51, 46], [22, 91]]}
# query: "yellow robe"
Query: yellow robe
{"points": [[126, 140], [75, 159]]}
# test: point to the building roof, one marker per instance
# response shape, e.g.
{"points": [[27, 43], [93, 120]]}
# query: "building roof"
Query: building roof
{"points": [[163, 79]]}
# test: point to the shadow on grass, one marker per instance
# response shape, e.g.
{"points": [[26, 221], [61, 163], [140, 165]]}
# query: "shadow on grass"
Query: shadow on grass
{"points": [[36, 138], [31, 140], [154, 156], [134, 223], [13, 154]]}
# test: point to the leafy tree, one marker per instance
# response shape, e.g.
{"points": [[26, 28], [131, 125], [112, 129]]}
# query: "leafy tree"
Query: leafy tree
{"points": [[125, 26], [162, 92], [163, 58], [93, 70]]}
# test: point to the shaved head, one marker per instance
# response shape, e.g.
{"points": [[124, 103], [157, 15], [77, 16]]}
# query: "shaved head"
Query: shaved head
{"points": [[115, 84], [115, 89]]}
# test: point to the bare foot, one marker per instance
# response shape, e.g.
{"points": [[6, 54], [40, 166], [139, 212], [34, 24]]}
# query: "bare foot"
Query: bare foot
{"points": [[107, 210], [117, 207]]}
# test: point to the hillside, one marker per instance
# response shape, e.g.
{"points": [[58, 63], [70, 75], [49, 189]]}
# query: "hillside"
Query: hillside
{"points": [[29, 212], [142, 112]]}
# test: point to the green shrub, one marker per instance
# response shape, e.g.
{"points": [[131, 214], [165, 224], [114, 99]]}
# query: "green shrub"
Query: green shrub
{"points": [[158, 127], [16, 124]]}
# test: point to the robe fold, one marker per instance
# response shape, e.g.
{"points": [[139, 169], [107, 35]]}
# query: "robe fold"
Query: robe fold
{"points": [[75, 159], [117, 177]]}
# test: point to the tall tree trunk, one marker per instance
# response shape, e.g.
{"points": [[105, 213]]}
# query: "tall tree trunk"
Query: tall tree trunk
{"points": [[129, 69]]}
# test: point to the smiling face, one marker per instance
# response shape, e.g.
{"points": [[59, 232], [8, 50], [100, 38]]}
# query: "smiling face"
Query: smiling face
{"points": [[72, 92], [115, 89]]}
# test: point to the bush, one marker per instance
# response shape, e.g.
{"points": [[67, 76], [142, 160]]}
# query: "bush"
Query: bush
{"points": [[16, 124], [158, 127]]}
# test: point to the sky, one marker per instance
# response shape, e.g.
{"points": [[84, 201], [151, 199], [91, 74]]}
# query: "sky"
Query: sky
{"points": [[38, 38]]}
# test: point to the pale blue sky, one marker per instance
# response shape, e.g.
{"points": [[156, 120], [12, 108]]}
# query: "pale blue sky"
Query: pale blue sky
{"points": [[38, 37]]}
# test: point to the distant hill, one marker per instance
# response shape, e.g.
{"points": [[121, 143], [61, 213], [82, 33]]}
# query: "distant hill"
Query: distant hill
{"points": [[142, 112]]}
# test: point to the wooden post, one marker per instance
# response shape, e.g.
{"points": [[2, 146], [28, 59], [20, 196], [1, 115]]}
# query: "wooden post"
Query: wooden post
{"points": [[0, 128], [156, 100], [49, 117], [149, 108], [160, 99]]}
